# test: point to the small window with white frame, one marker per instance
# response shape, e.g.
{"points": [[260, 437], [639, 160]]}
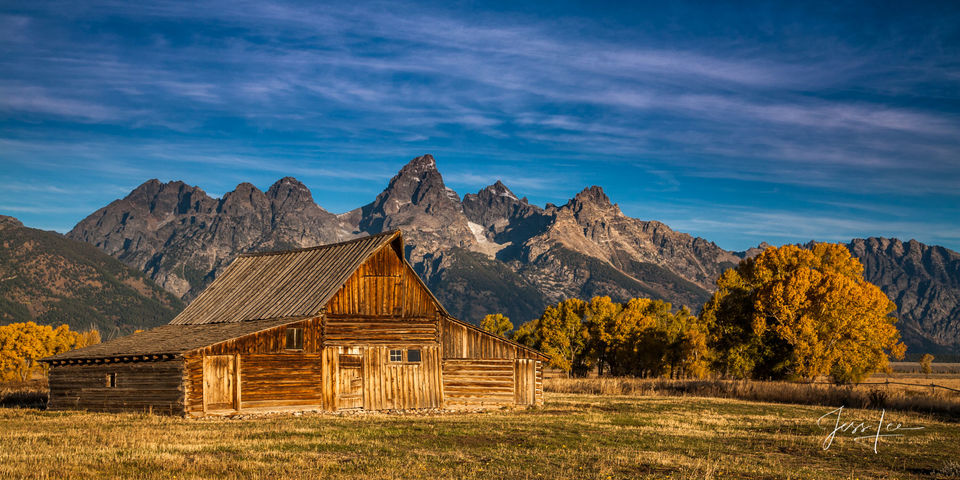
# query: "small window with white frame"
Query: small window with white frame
{"points": [[396, 355]]}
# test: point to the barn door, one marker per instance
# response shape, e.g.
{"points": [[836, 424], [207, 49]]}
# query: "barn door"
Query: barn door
{"points": [[350, 381], [221, 382], [526, 381]]}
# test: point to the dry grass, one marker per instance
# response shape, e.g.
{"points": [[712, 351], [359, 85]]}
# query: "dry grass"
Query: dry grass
{"points": [[573, 436], [32, 394], [939, 368], [892, 397], [951, 380]]}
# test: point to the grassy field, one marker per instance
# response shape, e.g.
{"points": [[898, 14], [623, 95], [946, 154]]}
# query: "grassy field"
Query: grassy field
{"points": [[903, 394], [572, 436]]}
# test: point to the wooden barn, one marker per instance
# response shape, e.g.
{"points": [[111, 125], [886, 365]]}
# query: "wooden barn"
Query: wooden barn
{"points": [[343, 326]]}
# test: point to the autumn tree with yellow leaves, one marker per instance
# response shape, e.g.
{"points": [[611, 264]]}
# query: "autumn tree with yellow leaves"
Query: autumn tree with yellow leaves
{"points": [[497, 324], [793, 312], [641, 337], [23, 344]]}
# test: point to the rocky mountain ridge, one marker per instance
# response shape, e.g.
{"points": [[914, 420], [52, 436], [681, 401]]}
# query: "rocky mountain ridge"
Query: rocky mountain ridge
{"points": [[491, 251]]}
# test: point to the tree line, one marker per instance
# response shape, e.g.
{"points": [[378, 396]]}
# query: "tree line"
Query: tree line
{"points": [[22, 345], [788, 313]]}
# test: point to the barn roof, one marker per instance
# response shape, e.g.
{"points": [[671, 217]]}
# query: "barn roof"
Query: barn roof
{"points": [[171, 339], [282, 284]]}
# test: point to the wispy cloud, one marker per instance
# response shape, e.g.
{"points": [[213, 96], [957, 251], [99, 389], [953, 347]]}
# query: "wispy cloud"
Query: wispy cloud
{"points": [[699, 96]]}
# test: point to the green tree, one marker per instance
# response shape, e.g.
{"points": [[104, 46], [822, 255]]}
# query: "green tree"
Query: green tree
{"points": [[497, 324], [793, 312], [563, 336], [528, 334]]}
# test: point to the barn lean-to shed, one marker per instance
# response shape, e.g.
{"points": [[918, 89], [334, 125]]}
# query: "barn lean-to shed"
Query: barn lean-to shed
{"points": [[347, 325]]}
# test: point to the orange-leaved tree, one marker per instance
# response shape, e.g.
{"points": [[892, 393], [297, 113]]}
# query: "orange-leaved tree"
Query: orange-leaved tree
{"points": [[23, 344], [794, 312]]}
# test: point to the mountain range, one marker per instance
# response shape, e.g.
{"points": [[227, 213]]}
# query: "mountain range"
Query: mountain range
{"points": [[50, 279], [490, 251]]}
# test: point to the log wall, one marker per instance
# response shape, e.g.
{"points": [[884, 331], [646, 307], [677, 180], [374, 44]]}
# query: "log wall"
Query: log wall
{"points": [[481, 369], [140, 386], [478, 383], [345, 330], [281, 381]]}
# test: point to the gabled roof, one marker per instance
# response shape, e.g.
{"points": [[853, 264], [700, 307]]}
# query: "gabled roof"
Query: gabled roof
{"points": [[171, 339], [282, 284]]}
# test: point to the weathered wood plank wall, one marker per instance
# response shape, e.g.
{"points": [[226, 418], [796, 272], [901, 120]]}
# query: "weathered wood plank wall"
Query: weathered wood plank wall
{"points": [[383, 286], [270, 375], [384, 306], [140, 386], [401, 385], [271, 380], [476, 366], [478, 382], [352, 330]]}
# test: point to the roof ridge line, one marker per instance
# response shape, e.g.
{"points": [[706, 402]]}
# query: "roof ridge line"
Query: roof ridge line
{"points": [[316, 247]]}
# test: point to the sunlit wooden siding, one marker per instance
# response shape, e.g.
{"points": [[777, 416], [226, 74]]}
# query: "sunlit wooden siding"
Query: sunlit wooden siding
{"points": [[384, 306], [529, 382], [140, 386], [271, 381], [270, 375], [347, 331], [383, 286], [478, 382], [481, 369], [401, 385]]}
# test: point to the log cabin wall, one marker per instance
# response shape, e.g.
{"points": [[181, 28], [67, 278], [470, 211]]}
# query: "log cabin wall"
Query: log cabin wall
{"points": [[271, 377], [138, 386], [471, 382], [480, 369]]}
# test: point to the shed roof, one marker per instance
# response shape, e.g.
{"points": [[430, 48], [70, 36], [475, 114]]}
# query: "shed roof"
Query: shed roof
{"points": [[282, 284], [172, 339]]}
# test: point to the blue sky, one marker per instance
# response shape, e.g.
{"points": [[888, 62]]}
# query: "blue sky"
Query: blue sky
{"points": [[740, 122]]}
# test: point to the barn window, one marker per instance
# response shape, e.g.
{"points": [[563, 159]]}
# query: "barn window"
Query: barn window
{"points": [[111, 380], [413, 356], [396, 355], [294, 339]]}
